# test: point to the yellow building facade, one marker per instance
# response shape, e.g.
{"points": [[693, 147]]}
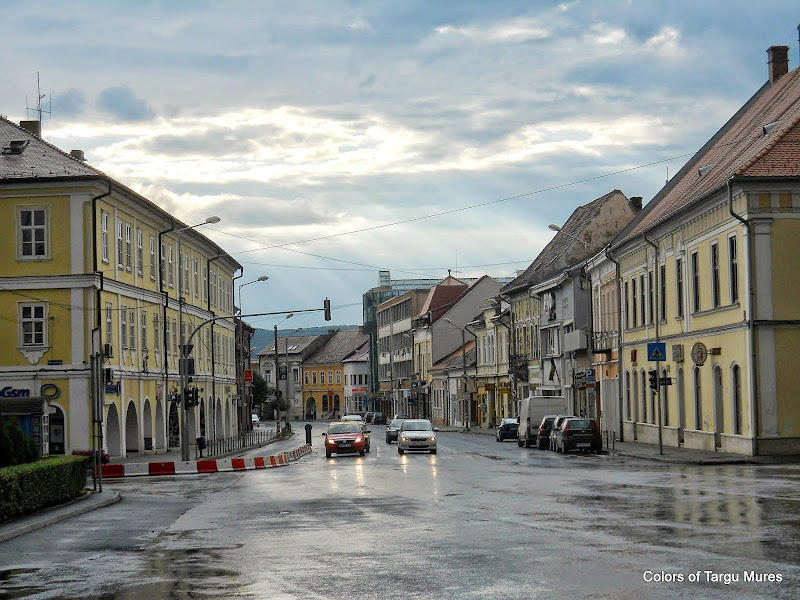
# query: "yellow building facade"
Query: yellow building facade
{"points": [[711, 270], [89, 293]]}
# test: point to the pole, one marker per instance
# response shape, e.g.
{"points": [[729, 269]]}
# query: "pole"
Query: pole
{"points": [[464, 369], [277, 386], [656, 318], [183, 407]]}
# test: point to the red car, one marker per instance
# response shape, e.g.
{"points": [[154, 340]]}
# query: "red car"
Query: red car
{"points": [[344, 438]]}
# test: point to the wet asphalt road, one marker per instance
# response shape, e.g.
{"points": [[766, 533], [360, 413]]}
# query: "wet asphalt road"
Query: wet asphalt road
{"points": [[478, 520]]}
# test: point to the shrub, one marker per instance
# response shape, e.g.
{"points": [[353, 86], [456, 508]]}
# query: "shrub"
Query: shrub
{"points": [[34, 486], [15, 448]]}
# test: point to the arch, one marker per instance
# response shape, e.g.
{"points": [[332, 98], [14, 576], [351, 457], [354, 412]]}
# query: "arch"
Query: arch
{"points": [[203, 416], [643, 384], [679, 388], [113, 437], [131, 428], [226, 422], [698, 399], [719, 411], [161, 438], [336, 407], [191, 425], [219, 426], [628, 395], [736, 398], [311, 407], [324, 403], [147, 424], [635, 415], [174, 431], [57, 432]]}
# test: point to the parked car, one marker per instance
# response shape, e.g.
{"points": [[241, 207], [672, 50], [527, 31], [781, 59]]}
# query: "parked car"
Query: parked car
{"points": [[391, 430], [401, 416], [508, 429], [531, 411], [557, 422], [416, 434], [379, 419], [579, 433], [254, 419], [344, 437], [543, 435], [369, 417]]}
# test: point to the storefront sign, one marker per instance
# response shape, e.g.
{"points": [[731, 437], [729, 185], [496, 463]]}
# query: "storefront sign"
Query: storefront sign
{"points": [[10, 392]]}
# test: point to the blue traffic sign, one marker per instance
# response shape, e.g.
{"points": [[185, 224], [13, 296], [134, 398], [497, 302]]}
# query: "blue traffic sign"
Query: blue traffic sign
{"points": [[656, 351]]}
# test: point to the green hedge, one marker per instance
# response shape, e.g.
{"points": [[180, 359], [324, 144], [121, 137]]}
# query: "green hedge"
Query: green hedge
{"points": [[34, 486]]}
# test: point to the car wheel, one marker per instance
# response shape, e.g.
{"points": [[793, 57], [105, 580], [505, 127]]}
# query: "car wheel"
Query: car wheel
{"points": [[497, 438], [327, 454], [433, 451], [564, 449], [400, 450], [361, 452], [527, 442], [388, 441]]}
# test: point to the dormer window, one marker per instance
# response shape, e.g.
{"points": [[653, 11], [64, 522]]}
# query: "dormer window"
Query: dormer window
{"points": [[15, 146], [705, 169], [769, 127]]}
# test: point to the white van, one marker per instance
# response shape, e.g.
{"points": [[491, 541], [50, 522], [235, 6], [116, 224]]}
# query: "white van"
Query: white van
{"points": [[532, 410]]}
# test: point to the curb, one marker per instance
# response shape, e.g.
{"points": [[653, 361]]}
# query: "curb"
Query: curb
{"points": [[701, 462], [84, 507], [210, 465]]}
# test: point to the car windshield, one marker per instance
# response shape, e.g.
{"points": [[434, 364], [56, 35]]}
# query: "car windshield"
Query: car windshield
{"points": [[344, 428], [417, 426], [580, 423], [396, 423], [509, 422]]}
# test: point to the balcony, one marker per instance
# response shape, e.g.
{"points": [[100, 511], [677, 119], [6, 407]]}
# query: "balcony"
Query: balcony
{"points": [[605, 341]]}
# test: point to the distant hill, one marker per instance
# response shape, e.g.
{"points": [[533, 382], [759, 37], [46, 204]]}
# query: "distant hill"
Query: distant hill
{"points": [[264, 337]]}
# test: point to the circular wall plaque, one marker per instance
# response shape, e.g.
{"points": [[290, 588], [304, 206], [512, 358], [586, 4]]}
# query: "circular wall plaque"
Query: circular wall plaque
{"points": [[699, 353]]}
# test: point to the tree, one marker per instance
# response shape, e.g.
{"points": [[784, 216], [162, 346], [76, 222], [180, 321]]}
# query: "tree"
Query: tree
{"points": [[260, 390]]}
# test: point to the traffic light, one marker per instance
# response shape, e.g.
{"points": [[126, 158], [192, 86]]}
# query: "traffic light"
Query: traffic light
{"points": [[327, 306], [652, 374], [187, 398]]}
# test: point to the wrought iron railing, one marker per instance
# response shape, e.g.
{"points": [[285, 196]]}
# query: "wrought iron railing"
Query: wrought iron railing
{"points": [[251, 439]]}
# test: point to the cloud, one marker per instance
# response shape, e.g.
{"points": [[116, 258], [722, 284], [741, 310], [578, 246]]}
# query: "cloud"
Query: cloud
{"points": [[69, 104], [122, 103]]}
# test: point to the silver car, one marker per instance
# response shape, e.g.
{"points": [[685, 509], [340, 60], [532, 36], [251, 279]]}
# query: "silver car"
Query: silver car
{"points": [[416, 434], [392, 429]]}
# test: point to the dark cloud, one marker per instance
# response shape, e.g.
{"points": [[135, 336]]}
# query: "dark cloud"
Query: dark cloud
{"points": [[69, 103], [123, 104]]}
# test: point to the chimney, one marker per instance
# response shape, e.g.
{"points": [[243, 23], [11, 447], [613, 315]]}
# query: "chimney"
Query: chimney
{"points": [[778, 62], [77, 155], [636, 203], [34, 127]]}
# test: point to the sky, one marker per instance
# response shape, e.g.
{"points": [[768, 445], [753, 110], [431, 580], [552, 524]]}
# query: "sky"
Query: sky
{"points": [[338, 138]]}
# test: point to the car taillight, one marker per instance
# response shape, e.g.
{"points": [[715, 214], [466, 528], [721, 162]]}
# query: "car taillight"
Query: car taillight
{"points": [[597, 426], [566, 426], [541, 429]]}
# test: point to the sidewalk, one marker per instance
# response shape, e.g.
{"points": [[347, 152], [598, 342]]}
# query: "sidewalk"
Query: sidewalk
{"points": [[670, 454]]}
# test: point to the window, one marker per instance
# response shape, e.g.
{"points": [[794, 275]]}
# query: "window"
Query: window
{"points": [[650, 291], [140, 252], [123, 323], [679, 287], [128, 241], [296, 375], [322, 378], [32, 233], [314, 378], [662, 294], [715, 301], [305, 377], [695, 284], [144, 330], [174, 337], [733, 269], [152, 258], [338, 377], [132, 320], [33, 321], [736, 397], [634, 320], [698, 407], [104, 234], [628, 394], [170, 268], [156, 336], [186, 274], [120, 264], [205, 287], [643, 298], [109, 323], [268, 376], [196, 279], [162, 266]]}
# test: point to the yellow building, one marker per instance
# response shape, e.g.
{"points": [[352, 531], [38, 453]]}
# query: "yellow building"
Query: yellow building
{"points": [[323, 373], [88, 291], [491, 330], [710, 268]]}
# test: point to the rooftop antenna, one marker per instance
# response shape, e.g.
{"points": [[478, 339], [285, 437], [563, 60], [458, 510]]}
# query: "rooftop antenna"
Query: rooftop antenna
{"points": [[39, 110]]}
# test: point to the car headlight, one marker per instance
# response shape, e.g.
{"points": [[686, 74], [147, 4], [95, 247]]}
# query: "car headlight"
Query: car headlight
{"points": [[359, 439], [405, 438], [432, 438], [330, 442]]}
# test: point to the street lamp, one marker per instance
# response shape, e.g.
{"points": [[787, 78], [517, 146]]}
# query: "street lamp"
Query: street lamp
{"points": [[245, 419], [554, 227], [463, 365], [184, 351], [277, 380]]}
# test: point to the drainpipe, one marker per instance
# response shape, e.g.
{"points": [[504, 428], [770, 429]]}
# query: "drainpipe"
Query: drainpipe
{"points": [[165, 328], [655, 307], [213, 354], [750, 317], [97, 472], [620, 402], [239, 332]]}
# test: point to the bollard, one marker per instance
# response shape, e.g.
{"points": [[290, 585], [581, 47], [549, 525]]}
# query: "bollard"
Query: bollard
{"points": [[308, 433]]}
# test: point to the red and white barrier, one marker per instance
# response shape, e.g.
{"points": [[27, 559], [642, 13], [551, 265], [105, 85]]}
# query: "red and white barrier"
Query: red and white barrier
{"points": [[209, 465]]}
